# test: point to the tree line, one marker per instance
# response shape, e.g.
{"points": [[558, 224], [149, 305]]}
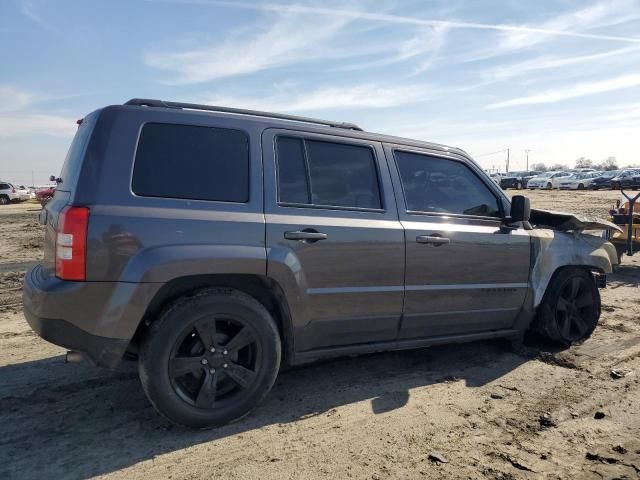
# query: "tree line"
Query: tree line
{"points": [[609, 163]]}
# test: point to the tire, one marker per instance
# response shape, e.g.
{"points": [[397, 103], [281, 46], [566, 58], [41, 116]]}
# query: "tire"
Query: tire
{"points": [[210, 358], [615, 186], [570, 308], [580, 186], [519, 186], [549, 186], [4, 200]]}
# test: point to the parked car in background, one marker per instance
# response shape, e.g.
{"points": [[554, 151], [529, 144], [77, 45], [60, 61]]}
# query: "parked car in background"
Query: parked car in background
{"points": [[629, 178], [23, 192], [8, 193], [43, 195], [217, 245], [517, 180], [547, 180], [603, 180], [578, 181], [496, 177]]}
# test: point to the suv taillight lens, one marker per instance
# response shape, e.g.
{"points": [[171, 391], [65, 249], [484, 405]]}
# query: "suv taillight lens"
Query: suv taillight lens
{"points": [[71, 243]]}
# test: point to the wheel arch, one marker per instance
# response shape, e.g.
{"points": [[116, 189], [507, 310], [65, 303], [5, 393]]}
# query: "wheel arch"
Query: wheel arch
{"points": [[555, 251], [264, 289]]}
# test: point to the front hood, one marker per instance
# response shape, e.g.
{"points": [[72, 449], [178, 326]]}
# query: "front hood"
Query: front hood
{"points": [[569, 221]]}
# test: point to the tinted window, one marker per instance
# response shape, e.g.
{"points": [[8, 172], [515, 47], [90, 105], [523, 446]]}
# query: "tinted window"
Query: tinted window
{"points": [[292, 172], [201, 163], [433, 184], [327, 173], [4, 186], [73, 161]]}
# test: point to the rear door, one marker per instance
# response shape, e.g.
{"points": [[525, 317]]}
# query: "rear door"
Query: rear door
{"points": [[464, 273], [334, 241]]}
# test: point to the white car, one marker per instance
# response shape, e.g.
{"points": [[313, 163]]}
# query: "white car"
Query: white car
{"points": [[579, 181], [547, 180], [23, 192], [8, 193]]}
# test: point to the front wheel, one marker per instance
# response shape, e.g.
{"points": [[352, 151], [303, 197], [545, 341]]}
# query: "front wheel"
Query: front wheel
{"points": [[581, 186], [570, 308], [210, 358], [549, 186]]}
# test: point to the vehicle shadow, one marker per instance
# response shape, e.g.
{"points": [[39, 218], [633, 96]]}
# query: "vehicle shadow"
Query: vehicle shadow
{"points": [[626, 274], [71, 420]]}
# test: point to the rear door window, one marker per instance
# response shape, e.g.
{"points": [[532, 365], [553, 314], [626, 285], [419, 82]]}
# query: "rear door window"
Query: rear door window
{"points": [[192, 162], [438, 185], [331, 174]]}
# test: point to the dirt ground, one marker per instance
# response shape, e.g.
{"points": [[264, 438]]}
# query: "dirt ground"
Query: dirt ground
{"points": [[488, 412]]}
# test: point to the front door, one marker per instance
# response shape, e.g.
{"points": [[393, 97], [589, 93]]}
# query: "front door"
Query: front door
{"points": [[464, 274], [334, 242]]}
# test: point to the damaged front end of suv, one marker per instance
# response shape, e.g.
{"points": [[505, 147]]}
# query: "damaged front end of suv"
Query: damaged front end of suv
{"points": [[568, 246]]}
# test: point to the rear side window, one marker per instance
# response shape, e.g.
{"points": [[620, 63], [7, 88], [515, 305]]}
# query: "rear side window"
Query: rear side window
{"points": [[328, 174], [192, 162], [437, 185], [4, 186], [75, 156]]}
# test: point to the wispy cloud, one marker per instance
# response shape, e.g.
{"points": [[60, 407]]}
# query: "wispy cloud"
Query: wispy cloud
{"points": [[553, 62], [573, 91], [283, 42], [12, 99], [19, 114], [332, 98], [401, 19], [18, 124], [625, 112], [30, 10]]}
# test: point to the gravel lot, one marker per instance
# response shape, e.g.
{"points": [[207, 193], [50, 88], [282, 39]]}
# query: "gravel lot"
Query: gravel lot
{"points": [[484, 410]]}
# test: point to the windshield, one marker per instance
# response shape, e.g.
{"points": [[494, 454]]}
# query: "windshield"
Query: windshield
{"points": [[545, 174]]}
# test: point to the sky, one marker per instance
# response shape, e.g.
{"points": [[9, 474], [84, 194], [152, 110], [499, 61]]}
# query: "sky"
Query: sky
{"points": [[559, 78]]}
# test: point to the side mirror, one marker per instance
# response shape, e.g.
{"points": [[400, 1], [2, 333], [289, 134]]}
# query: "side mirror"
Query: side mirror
{"points": [[520, 208], [52, 178]]}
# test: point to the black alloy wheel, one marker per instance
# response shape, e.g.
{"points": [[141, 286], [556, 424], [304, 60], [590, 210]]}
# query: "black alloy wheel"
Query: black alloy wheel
{"points": [[575, 308], [214, 361], [210, 358], [570, 308]]}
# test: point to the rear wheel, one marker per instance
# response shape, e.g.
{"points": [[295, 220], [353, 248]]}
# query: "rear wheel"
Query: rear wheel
{"points": [[581, 186], [519, 186], [615, 186], [549, 186], [570, 308], [4, 200], [210, 358]]}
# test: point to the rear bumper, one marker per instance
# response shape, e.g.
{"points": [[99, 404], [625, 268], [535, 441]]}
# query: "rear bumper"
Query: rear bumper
{"points": [[98, 319], [103, 351]]}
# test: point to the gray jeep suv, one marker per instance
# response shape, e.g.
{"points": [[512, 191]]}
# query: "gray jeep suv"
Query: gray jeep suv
{"points": [[216, 244]]}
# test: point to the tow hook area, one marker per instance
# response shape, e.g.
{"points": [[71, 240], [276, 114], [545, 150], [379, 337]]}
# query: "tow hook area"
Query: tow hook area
{"points": [[600, 279], [74, 357]]}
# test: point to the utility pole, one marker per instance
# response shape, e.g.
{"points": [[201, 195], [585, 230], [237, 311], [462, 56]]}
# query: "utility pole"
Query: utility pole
{"points": [[527, 152], [507, 160]]}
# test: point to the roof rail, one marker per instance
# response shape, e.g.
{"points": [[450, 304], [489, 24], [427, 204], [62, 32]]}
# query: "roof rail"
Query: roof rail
{"points": [[147, 102]]}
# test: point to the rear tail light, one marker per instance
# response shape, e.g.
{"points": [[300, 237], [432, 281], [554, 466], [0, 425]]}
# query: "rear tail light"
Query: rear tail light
{"points": [[71, 243], [13, 189]]}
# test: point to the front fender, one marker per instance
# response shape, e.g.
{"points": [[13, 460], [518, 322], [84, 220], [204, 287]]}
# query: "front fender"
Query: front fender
{"points": [[553, 249]]}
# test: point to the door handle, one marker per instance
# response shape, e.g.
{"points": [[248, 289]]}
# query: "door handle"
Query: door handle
{"points": [[307, 234], [434, 239]]}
